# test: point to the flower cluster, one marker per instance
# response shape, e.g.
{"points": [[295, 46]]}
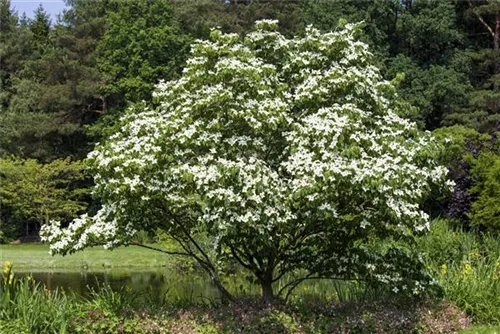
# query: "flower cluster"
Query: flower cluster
{"points": [[7, 273], [290, 147]]}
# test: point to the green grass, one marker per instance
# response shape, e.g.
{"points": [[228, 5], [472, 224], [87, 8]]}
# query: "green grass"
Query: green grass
{"points": [[481, 330], [36, 256]]}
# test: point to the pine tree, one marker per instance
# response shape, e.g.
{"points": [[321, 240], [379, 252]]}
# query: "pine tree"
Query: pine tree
{"points": [[6, 26], [484, 110], [8, 19], [40, 26]]}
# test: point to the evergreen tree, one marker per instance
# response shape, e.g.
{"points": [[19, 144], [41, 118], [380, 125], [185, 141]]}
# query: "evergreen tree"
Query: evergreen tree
{"points": [[40, 26], [197, 18], [483, 112], [8, 19], [58, 90], [141, 45]]}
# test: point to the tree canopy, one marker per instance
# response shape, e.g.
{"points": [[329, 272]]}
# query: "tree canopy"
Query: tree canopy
{"points": [[286, 153]]}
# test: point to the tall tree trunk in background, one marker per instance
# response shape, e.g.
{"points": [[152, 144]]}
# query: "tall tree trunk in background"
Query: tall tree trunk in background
{"points": [[496, 47], [484, 12]]}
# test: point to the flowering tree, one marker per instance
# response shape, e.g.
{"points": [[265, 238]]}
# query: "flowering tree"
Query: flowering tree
{"points": [[290, 155]]}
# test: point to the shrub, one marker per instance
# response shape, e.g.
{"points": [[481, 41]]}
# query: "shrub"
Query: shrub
{"points": [[485, 211]]}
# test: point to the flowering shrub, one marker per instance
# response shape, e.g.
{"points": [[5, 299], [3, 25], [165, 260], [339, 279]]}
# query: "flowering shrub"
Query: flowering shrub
{"points": [[285, 154]]}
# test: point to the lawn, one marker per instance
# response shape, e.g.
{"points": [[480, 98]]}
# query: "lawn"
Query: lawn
{"points": [[36, 256]]}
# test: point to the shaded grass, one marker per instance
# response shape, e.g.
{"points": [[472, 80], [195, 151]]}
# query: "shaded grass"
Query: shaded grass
{"points": [[481, 330], [36, 256]]}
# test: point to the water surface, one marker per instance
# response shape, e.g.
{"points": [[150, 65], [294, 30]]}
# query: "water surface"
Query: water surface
{"points": [[175, 286]]}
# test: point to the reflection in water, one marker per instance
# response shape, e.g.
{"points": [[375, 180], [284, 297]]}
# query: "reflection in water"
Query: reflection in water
{"points": [[176, 286]]}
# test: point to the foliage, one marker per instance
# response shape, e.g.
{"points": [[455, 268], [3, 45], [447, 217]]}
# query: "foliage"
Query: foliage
{"points": [[198, 18], [485, 171], [460, 141], [428, 30], [57, 88], [483, 110], [471, 158], [288, 153], [36, 135], [468, 268], [141, 45], [28, 307], [40, 27], [40, 192], [109, 301], [436, 91]]}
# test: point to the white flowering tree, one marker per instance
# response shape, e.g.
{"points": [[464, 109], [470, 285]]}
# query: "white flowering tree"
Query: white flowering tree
{"points": [[289, 155]]}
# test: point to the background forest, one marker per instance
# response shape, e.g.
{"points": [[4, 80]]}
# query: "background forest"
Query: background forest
{"points": [[65, 83]]}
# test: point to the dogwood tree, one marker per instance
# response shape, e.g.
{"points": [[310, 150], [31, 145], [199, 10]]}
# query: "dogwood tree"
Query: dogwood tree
{"points": [[289, 155]]}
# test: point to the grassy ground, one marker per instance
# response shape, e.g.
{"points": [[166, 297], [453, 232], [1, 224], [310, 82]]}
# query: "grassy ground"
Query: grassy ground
{"points": [[36, 256], [481, 330]]}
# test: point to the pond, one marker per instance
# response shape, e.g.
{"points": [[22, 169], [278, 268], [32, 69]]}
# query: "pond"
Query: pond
{"points": [[175, 286]]}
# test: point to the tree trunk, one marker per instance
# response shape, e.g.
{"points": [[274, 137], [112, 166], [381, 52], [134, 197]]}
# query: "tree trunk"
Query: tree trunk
{"points": [[267, 288], [225, 295], [496, 47]]}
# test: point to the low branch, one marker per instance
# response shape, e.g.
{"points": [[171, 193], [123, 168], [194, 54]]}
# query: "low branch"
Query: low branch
{"points": [[206, 263], [248, 266], [160, 250], [279, 276], [295, 283]]}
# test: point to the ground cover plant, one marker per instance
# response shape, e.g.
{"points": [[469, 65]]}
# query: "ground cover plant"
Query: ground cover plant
{"points": [[286, 155]]}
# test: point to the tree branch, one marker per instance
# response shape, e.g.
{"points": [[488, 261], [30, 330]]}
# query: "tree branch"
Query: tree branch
{"points": [[295, 283], [160, 250], [481, 18], [205, 264], [248, 266]]}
